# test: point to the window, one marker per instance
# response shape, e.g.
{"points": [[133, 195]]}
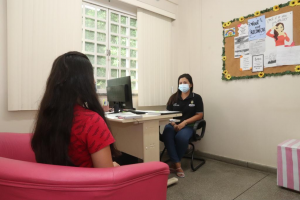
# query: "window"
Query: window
{"points": [[110, 42]]}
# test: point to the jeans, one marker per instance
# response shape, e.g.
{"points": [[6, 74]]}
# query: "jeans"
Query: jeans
{"points": [[176, 143]]}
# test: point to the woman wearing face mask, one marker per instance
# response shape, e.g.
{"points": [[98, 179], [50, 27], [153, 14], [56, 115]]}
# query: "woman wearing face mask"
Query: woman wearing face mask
{"points": [[279, 35], [176, 135]]}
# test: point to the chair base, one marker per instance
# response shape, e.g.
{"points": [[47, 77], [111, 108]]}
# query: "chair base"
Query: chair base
{"points": [[194, 168]]}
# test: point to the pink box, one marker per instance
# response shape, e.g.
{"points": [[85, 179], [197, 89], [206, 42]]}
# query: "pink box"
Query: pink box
{"points": [[288, 164]]}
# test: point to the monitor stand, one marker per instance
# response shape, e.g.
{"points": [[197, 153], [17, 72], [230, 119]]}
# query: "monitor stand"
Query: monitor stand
{"points": [[117, 107]]}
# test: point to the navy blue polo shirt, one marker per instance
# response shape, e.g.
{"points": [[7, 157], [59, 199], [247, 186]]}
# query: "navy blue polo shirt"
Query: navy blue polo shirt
{"points": [[189, 106]]}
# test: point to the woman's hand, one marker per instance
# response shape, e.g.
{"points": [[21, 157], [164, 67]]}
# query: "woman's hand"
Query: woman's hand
{"points": [[173, 123], [180, 126], [174, 126], [274, 27], [284, 34], [116, 164]]}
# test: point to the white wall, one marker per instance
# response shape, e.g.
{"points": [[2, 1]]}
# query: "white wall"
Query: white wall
{"points": [[167, 5], [9, 121], [246, 119], [186, 36]]}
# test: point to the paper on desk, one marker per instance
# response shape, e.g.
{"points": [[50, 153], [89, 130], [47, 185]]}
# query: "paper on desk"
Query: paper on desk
{"points": [[129, 116], [121, 115], [153, 113], [288, 55]]}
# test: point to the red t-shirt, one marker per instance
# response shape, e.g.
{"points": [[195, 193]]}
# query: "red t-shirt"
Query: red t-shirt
{"points": [[89, 134]]}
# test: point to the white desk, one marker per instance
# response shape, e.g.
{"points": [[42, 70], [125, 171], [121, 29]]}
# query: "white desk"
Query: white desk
{"points": [[139, 137]]}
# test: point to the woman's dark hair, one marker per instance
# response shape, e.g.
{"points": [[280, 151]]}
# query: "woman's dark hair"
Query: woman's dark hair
{"points": [[276, 33], [175, 96], [70, 81]]}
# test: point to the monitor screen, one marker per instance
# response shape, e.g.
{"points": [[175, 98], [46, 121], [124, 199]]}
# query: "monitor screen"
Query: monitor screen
{"points": [[119, 92]]}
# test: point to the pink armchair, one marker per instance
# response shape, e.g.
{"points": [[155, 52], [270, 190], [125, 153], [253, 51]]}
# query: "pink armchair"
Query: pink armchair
{"points": [[22, 178]]}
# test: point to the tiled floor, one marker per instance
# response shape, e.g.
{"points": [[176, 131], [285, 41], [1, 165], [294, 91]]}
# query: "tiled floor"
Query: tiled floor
{"points": [[222, 181]]}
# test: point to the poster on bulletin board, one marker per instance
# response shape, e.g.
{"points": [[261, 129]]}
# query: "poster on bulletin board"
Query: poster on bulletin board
{"points": [[263, 44]]}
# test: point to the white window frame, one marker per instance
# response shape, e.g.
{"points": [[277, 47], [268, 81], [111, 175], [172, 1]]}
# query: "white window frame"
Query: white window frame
{"points": [[108, 56]]}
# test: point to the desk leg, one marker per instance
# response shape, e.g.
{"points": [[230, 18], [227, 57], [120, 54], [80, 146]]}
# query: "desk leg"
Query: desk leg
{"points": [[151, 140]]}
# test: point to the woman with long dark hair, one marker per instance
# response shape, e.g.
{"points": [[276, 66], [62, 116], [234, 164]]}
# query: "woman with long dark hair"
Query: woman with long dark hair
{"points": [[71, 129], [279, 35], [176, 136]]}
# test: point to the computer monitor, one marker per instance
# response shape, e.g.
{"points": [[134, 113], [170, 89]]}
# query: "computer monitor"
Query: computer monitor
{"points": [[119, 94]]}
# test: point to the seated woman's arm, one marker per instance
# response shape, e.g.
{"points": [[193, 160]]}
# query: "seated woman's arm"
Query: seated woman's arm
{"points": [[102, 158], [196, 117], [99, 139], [191, 120]]}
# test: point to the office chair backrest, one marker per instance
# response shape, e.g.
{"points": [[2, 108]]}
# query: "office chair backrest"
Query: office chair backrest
{"points": [[203, 109], [200, 124]]}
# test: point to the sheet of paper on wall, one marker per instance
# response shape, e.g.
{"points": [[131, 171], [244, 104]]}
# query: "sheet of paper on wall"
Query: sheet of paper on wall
{"points": [[257, 28], [288, 55], [243, 29], [241, 46], [258, 63], [270, 58], [257, 47], [246, 62], [279, 30], [229, 32]]}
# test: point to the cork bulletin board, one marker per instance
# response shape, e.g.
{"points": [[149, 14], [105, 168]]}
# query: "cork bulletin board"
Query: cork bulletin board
{"points": [[278, 51]]}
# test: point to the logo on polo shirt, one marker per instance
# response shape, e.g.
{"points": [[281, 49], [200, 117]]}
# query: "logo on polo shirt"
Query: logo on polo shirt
{"points": [[175, 104], [192, 104]]}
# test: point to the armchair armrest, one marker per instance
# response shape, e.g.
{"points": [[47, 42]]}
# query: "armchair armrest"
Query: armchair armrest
{"points": [[27, 180], [16, 146]]}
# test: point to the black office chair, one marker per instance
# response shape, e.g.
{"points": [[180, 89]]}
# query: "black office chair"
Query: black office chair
{"points": [[198, 124]]}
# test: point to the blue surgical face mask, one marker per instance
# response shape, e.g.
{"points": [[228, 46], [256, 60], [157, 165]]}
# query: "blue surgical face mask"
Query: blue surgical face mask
{"points": [[184, 88]]}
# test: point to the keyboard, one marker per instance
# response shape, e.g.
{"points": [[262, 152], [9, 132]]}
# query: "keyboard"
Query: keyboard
{"points": [[137, 112]]}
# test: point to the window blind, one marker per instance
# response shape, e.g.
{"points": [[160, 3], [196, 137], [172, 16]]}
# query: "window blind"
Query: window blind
{"points": [[154, 44], [38, 31]]}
